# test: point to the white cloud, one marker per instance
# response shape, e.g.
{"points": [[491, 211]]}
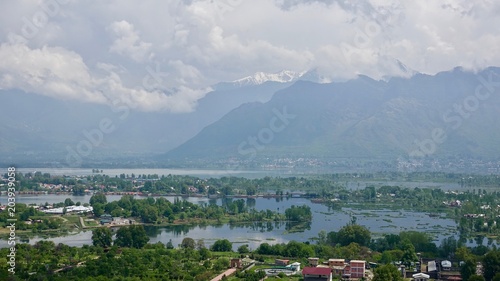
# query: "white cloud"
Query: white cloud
{"points": [[59, 73], [128, 42], [115, 44]]}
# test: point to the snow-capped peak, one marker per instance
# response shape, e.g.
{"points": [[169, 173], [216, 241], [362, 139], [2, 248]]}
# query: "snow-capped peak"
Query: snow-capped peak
{"points": [[258, 78]]}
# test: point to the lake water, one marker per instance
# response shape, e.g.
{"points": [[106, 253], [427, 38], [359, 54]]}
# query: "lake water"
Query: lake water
{"points": [[377, 221]]}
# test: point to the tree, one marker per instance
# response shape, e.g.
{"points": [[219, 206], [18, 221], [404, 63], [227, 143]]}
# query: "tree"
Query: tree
{"points": [[221, 263], [353, 233], [386, 257], [491, 264], [101, 237], [205, 253], [409, 255], [298, 213], [496, 278], [251, 190], [243, 249], [98, 198], [98, 209], [79, 190], [222, 246], [387, 272], [200, 244], [476, 278], [463, 253], [468, 269], [188, 243], [68, 202], [133, 236]]}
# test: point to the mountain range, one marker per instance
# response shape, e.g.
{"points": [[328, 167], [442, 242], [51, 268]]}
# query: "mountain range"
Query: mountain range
{"points": [[450, 114], [38, 129], [285, 115]]}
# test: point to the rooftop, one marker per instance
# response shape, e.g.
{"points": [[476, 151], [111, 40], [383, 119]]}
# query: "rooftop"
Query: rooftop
{"points": [[316, 271]]}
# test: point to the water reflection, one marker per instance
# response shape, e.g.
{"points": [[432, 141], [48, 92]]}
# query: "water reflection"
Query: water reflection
{"points": [[327, 218], [251, 202]]}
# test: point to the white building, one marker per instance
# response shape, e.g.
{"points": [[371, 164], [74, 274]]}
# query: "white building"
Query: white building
{"points": [[421, 277]]}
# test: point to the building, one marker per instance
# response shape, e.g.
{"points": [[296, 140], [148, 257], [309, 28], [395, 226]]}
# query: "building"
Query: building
{"points": [[246, 261], [431, 266], [106, 218], [357, 268], [295, 266], [313, 261], [336, 262], [317, 274], [235, 263], [281, 262], [420, 277], [337, 266], [446, 265]]}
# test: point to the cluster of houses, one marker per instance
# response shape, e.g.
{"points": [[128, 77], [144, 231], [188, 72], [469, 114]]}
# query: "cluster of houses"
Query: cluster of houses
{"points": [[454, 203], [107, 219], [67, 210], [347, 269]]}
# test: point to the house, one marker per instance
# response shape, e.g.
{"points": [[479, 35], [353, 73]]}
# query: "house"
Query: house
{"points": [[357, 268], [446, 265], [431, 266], [346, 274], [106, 218], [235, 263], [420, 277], [281, 262], [336, 262], [295, 266], [247, 261], [337, 266], [317, 274], [313, 261]]}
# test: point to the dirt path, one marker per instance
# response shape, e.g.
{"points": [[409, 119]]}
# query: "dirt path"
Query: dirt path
{"points": [[227, 273], [82, 222]]}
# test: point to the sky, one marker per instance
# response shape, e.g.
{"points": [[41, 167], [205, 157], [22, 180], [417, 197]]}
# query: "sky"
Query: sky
{"points": [[163, 55]]}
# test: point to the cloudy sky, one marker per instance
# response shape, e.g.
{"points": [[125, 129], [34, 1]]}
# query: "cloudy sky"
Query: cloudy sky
{"points": [[164, 54]]}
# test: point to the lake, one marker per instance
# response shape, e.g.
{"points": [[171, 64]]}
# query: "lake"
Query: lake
{"points": [[377, 221]]}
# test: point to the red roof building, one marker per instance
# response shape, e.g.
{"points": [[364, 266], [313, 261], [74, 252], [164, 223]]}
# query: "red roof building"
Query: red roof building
{"points": [[317, 273]]}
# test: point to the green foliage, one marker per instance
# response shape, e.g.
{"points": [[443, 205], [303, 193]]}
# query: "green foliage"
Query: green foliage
{"points": [[98, 198], [188, 243], [420, 240], [292, 249], [133, 236], [243, 249], [170, 245], [491, 264], [351, 233], [475, 278], [251, 275], [222, 246], [79, 190], [298, 213], [387, 272], [409, 254], [44, 261], [102, 237], [468, 269], [68, 202]]}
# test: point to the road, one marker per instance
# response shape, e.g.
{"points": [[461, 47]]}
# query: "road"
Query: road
{"points": [[227, 273]]}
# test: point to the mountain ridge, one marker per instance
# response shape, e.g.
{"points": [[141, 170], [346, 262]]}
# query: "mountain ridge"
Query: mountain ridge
{"points": [[359, 118]]}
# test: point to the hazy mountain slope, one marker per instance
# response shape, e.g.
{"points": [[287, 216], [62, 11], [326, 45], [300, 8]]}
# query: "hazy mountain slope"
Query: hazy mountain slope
{"points": [[361, 118], [37, 128]]}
